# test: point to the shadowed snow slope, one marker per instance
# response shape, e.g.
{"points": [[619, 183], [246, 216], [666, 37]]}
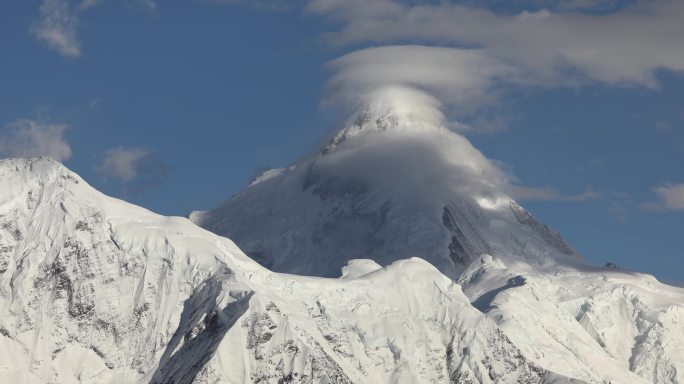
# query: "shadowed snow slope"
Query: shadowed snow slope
{"points": [[94, 290]]}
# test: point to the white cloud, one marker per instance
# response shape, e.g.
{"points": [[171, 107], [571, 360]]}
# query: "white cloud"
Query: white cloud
{"points": [[626, 46], [122, 163], [419, 149], [493, 53], [31, 138], [87, 4], [136, 168], [671, 197], [57, 24], [460, 77], [411, 84], [57, 27], [490, 55]]}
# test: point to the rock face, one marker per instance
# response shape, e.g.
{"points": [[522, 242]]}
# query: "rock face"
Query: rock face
{"points": [[94, 290], [388, 186]]}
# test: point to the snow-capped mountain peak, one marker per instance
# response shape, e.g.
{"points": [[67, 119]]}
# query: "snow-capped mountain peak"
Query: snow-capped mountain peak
{"points": [[392, 183]]}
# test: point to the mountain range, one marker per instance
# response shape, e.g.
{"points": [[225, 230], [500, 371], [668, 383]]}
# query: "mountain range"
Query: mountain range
{"points": [[393, 254]]}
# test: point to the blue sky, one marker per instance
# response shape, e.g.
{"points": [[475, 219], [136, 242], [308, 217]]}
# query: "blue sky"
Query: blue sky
{"points": [[176, 105]]}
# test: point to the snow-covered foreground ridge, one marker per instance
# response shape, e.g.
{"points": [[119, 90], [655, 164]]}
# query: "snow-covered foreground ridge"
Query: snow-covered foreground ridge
{"points": [[93, 289]]}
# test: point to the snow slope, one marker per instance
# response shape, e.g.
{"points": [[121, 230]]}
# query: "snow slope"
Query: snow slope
{"points": [[95, 290]]}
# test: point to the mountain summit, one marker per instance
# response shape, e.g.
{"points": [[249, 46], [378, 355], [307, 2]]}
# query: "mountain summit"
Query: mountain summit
{"points": [[393, 183]]}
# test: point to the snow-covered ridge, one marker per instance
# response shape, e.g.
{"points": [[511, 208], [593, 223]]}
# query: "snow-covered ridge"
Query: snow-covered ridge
{"points": [[95, 290]]}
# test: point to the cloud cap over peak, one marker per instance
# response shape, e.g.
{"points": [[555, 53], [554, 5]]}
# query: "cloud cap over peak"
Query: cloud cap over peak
{"points": [[456, 76]]}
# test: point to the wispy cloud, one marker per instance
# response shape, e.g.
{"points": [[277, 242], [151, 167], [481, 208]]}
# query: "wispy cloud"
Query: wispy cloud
{"points": [[670, 198], [137, 168], [148, 5], [550, 194], [122, 163], [31, 138], [87, 4], [57, 26]]}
